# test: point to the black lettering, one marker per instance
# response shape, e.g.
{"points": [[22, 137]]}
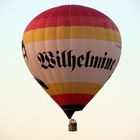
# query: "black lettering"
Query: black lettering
{"points": [[99, 62], [87, 58], [64, 58], [67, 58], [108, 63], [50, 59], [73, 62], [58, 59], [24, 51], [96, 61], [103, 61], [79, 60], [41, 58], [91, 61], [45, 60], [112, 64]]}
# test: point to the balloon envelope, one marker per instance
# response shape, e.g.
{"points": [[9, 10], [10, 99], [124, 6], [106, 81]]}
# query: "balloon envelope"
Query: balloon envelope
{"points": [[71, 50]]}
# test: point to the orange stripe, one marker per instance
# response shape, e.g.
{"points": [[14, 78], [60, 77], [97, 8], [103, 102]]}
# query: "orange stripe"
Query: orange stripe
{"points": [[73, 32], [61, 88]]}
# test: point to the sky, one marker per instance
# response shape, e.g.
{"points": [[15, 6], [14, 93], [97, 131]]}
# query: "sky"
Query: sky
{"points": [[28, 113]]}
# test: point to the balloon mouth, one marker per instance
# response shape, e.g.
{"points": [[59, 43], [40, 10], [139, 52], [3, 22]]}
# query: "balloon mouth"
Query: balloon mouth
{"points": [[70, 109]]}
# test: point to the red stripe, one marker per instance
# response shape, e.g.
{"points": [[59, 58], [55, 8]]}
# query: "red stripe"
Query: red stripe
{"points": [[71, 15], [67, 99]]}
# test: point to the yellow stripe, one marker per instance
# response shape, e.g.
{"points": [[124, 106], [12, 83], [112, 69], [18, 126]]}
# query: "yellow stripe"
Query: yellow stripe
{"points": [[73, 32], [64, 88]]}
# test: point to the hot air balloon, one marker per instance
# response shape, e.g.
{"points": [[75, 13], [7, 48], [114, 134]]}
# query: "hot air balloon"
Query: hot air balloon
{"points": [[71, 51]]}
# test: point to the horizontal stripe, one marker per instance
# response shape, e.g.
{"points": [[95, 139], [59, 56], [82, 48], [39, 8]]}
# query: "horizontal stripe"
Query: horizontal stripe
{"points": [[86, 21], [75, 107], [79, 47], [71, 15], [73, 44], [66, 88], [71, 33], [70, 109], [68, 99]]}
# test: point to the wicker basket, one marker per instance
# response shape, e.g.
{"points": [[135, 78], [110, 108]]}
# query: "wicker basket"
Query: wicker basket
{"points": [[72, 125]]}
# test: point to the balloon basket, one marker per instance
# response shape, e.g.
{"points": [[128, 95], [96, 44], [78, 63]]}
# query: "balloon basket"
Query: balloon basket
{"points": [[72, 125]]}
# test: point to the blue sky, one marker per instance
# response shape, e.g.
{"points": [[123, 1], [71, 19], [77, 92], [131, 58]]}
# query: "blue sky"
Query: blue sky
{"points": [[27, 112]]}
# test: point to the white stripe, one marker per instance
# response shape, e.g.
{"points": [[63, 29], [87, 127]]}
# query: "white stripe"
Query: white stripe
{"points": [[79, 47]]}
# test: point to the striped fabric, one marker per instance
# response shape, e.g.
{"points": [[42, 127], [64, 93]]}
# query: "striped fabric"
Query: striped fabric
{"points": [[72, 51]]}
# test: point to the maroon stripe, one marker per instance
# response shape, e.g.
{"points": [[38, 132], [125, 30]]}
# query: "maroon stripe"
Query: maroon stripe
{"points": [[74, 98], [71, 15]]}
